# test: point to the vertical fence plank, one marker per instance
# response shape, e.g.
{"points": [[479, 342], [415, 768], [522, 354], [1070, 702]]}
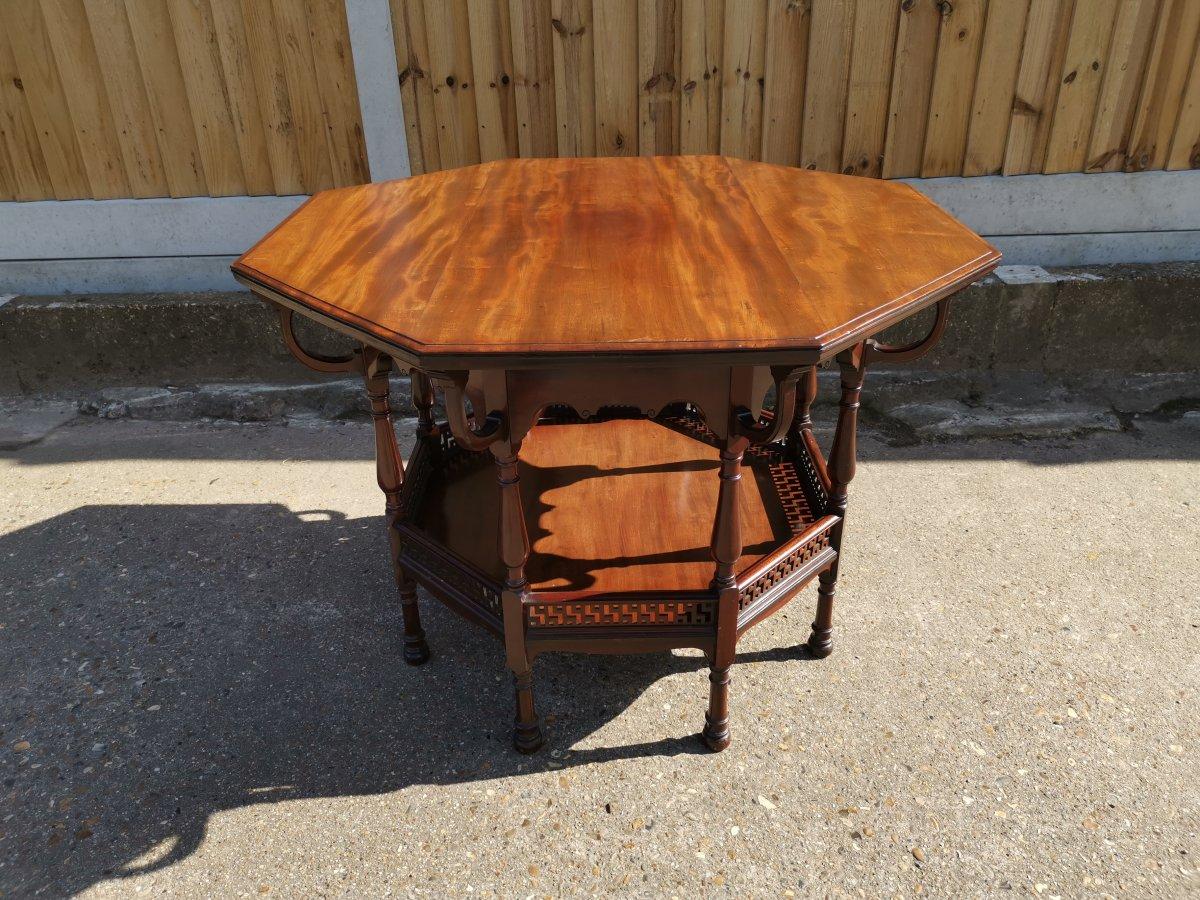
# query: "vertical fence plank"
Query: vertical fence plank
{"points": [[533, 65], [1079, 86], [453, 79], [827, 84], [75, 57], [574, 77], [266, 65], [953, 87], [299, 70], [1171, 58], [786, 67], [871, 61], [702, 23], [42, 87], [995, 87], [330, 36], [491, 59], [127, 98], [744, 60], [20, 153], [192, 25], [416, 93], [658, 76], [1123, 71], [242, 95], [170, 111], [1185, 145], [1046, 32], [616, 57], [912, 80]]}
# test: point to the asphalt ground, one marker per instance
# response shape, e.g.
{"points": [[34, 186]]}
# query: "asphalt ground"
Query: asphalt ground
{"points": [[202, 694]]}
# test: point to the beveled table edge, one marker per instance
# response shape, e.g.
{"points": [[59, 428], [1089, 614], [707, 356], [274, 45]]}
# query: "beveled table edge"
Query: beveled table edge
{"points": [[800, 351]]}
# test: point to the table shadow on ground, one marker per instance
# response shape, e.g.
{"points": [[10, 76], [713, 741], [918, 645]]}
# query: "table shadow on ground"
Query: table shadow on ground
{"points": [[167, 663]]}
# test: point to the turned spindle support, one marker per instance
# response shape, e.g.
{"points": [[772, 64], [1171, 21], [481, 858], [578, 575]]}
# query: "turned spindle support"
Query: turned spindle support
{"points": [[389, 472], [726, 550], [842, 460], [513, 544]]}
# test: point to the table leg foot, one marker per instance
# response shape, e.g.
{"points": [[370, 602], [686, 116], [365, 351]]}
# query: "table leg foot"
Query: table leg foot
{"points": [[716, 720], [820, 642], [527, 731], [416, 651]]}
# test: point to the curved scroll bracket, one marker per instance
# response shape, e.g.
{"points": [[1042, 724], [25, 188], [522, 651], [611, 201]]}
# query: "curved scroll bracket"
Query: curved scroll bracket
{"points": [[351, 362], [873, 351], [468, 430], [747, 426]]}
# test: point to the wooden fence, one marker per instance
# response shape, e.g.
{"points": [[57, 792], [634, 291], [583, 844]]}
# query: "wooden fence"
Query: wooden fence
{"points": [[156, 98], [885, 88]]}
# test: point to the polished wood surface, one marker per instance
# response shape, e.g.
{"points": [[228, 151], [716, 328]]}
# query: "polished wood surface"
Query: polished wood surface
{"points": [[575, 258], [611, 507]]}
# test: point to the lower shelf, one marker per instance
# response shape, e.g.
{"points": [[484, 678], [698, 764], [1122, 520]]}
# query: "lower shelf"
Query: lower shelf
{"points": [[620, 515]]}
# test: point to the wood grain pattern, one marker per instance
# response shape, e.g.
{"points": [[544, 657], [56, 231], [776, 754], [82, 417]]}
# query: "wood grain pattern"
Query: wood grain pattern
{"points": [[744, 55], [83, 90], [658, 76], [275, 106], [1046, 33], [452, 77], [912, 81], [615, 22], [1171, 58], [338, 88], [1127, 52], [995, 87], [1079, 87], [170, 111], [42, 88], [703, 29], [216, 138], [875, 26], [784, 82], [828, 81], [959, 43], [241, 92], [491, 60], [618, 257], [1185, 145], [574, 77], [127, 99], [533, 73], [416, 93], [561, 475], [24, 176]]}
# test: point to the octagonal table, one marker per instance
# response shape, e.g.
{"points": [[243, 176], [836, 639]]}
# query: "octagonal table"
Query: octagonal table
{"points": [[605, 334]]}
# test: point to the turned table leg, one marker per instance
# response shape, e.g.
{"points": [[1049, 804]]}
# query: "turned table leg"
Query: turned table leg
{"points": [[726, 548], [389, 471], [514, 552], [841, 472]]}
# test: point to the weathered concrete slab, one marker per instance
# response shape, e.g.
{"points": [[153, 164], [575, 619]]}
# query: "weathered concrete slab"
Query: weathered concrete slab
{"points": [[1123, 319]]}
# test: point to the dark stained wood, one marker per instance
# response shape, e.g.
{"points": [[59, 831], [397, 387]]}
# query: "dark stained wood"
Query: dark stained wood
{"points": [[842, 464], [568, 260], [604, 334], [658, 486], [389, 472]]}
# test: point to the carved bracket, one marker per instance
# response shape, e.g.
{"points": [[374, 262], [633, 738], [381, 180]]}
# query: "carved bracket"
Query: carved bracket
{"points": [[351, 362], [745, 423], [874, 351], [467, 430]]}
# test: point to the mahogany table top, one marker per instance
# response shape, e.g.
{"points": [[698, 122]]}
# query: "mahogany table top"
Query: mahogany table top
{"points": [[580, 259]]}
